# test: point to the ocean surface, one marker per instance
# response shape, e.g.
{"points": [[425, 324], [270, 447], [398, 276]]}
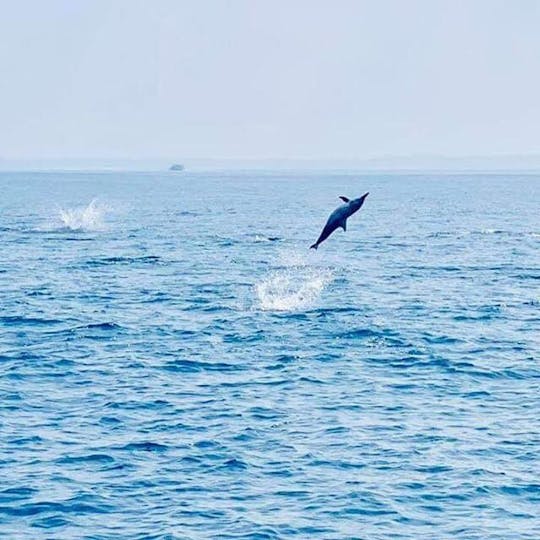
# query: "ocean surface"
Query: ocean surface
{"points": [[177, 364]]}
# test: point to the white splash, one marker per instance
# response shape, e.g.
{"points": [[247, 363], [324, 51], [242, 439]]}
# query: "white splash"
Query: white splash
{"points": [[490, 231], [84, 218], [295, 287], [259, 238]]}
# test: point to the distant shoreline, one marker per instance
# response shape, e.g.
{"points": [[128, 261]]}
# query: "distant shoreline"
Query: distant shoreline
{"points": [[503, 164]]}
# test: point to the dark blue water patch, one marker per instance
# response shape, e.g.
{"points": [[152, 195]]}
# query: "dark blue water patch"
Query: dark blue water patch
{"points": [[281, 362], [255, 336], [49, 507], [336, 464], [77, 239], [110, 421], [525, 276], [267, 382], [287, 358], [143, 446], [529, 491], [434, 469], [475, 318], [293, 493], [312, 380], [98, 330], [15, 320], [212, 307], [17, 494], [336, 310], [40, 292], [379, 336], [102, 326], [202, 444], [444, 234], [441, 340], [224, 242], [479, 394], [404, 387], [87, 458], [231, 465], [361, 333], [292, 316], [22, 356], [151, 297], [31, 440], [51, 522], [7, 395], [265, 413], [326, 358], [413, 361], [194, 366], [124, 260], [438, 268]]}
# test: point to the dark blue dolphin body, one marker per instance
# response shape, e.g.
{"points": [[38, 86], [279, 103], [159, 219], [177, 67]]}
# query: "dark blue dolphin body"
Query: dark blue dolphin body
{"points": [[338, 218]]}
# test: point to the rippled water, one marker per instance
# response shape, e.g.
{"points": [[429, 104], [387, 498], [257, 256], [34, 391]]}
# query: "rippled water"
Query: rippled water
{"points": [[175, 363]]}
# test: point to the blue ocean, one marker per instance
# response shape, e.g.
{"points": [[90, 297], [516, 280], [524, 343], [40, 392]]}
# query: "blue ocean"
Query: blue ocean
{"points": [[177, 364]]}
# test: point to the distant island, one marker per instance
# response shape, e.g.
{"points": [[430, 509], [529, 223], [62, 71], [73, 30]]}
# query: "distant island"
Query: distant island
{"points": [[176, 167]]}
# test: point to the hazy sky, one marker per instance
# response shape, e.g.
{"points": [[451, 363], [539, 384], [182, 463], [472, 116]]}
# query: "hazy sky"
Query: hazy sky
{"points": [[268, 78]]}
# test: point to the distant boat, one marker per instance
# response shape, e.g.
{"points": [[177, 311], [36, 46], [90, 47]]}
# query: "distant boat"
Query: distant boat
{"points": [[176, 167]]}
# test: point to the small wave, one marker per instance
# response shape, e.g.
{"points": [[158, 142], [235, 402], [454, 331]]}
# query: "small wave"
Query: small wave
{"points": [[88, 458], [193, 366], [90, 330], [14, 494], [49, 507], [105, 261], [144, 446], [100, 326], [31, 321], [292, 288]]}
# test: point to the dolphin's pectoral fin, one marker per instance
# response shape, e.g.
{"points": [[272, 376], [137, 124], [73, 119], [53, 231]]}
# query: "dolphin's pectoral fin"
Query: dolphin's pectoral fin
{"points": [[343, 224], [344, 199]]}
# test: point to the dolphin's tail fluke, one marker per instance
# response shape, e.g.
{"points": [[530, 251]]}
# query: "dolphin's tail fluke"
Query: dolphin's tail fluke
{"points": [[314, 246]]}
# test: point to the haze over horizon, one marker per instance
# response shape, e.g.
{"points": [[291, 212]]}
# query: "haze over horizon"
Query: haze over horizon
{"points": [[279, 80]]}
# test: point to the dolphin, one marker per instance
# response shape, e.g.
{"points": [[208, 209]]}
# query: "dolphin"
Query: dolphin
{"points": [[338, 218]]}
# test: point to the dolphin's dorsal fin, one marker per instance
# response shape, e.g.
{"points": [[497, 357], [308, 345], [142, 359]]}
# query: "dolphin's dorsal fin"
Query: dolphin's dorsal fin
{"points": [[344, 199]]}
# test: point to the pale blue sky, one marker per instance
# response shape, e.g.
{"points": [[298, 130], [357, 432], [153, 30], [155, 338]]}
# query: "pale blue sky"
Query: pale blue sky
{"points": [[268, 78]]}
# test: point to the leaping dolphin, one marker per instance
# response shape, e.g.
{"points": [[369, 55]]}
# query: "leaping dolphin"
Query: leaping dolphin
{"points": [[338, 218]]}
